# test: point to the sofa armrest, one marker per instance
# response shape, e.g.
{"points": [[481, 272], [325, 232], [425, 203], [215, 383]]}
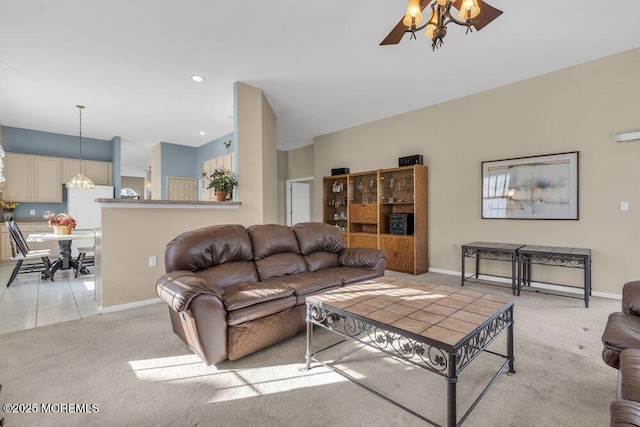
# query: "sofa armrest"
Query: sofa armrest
{"points": [[631, 298], [178, 288], [361, 257]]}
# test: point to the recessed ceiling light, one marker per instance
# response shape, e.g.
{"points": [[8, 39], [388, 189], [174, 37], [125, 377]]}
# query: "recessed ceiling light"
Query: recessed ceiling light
{"points": [[197, 78], [202, 132]]}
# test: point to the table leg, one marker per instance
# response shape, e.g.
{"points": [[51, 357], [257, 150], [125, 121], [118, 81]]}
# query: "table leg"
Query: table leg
{"points": [[587, 281], [309, 337], [452, 379], [514, 287], [477, 264], [462, 267], [510, 354]]}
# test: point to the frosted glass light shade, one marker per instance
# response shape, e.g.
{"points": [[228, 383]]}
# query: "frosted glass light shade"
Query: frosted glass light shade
{"points": [[80, 181], [468, 10], [413, 15]]}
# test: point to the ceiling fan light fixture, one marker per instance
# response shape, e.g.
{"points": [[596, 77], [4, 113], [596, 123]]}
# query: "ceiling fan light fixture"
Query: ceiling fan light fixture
{"points": [[469, 10], [413, 16]]}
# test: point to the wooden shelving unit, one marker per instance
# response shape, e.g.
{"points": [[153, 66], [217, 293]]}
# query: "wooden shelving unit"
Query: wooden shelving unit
{"points": [[372, 198]]}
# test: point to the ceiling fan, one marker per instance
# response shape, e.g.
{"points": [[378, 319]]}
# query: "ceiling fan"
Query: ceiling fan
{"points": [[472, 13]]}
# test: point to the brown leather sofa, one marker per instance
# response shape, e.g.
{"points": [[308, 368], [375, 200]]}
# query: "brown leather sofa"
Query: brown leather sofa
{"points": [[621, 339], [233, 290]]}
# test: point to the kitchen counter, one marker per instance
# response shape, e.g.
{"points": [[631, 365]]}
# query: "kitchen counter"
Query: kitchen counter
{"points": [[135, 203]]}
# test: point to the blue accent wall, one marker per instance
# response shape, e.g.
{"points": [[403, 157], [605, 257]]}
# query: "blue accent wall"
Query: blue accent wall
{"points": [[27, 141], [115, 167], [215, 148], [178, 161], [38, 143]]}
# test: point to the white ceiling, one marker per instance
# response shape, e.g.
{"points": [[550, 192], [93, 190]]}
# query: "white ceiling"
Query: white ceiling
{"points": [[319, 63]]}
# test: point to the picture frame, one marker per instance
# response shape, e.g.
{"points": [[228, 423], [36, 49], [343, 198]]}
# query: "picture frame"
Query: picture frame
{"points": [[535, 187]]}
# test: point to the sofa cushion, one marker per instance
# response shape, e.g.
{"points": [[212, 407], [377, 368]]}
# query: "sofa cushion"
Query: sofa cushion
{"points": [[271, 239], [259, 311], [624, 413], [622, 331], [280, 265], [230, 272], [317, 237], [351, 274], [308, 283], [205, 247], [319, 260], [631, 297], [240, 295], [630, 374]]}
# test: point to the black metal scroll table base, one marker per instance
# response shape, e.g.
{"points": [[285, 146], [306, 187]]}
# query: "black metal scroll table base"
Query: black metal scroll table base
{"points": [[64, 261], [492, 251], [420, 350], [556, 257]]}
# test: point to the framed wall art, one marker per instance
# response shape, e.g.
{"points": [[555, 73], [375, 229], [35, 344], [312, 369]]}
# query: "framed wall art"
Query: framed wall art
{"points": [[538, 187]]}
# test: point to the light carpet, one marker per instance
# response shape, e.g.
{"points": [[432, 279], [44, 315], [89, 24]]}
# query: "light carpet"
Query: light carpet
{"points": [[137, 372]]}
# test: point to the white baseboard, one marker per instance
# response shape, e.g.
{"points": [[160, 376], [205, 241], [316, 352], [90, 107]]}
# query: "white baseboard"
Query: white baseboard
{"points": [[539, 285], [127, 306]]}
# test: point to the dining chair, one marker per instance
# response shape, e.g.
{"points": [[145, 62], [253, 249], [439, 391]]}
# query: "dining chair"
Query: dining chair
{"points": [[86, 257], [20, 253]]}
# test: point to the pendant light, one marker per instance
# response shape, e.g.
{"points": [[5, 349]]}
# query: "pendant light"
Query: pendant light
{"points": [[80, 181]]}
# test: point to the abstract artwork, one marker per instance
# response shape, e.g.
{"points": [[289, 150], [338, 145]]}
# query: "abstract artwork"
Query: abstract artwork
{"points": [[539, 187]]}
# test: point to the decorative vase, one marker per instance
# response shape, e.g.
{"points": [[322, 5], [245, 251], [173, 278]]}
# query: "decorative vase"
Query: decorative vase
{"points": [[8, 216], [221, 196], [61, 229]]}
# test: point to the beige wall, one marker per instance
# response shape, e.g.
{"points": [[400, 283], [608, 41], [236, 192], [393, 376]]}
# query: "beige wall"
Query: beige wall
{"points": [[300, 162], [131, 236], [133, 182], [257, 157], [282, 177], [579, 108]]}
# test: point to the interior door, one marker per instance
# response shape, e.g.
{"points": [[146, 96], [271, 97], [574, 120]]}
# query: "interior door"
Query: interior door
{"points": [[184, 189], [300, 203]]}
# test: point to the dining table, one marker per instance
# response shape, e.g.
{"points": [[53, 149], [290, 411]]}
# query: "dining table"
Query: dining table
{"points": [[64, 261]]}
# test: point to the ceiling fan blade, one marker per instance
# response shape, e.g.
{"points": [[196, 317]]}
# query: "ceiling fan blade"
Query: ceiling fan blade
{"points": [[487, 14], [395, 35], [399, 30]]}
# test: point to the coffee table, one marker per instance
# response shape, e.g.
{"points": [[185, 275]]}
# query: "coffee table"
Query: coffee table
{"points": [[435, 327]]}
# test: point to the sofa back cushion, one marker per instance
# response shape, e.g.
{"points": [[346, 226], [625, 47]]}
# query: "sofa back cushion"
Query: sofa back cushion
{"points": [[220, 253], [320, 244], [275, 251]]}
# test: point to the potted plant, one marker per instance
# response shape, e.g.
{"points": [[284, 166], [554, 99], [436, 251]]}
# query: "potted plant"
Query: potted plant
{"points": [[7, 209], [222, 181]]}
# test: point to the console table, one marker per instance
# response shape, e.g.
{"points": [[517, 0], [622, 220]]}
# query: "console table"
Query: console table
{"points": [[554, 256], [496, 252]]}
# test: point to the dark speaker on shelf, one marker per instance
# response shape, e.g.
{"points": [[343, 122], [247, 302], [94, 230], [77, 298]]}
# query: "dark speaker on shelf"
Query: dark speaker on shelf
{"points": [[339, 171], [416, 159]]}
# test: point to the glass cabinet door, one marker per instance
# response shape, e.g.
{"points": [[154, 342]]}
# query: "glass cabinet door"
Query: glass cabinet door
{"points": [[335, 202]]}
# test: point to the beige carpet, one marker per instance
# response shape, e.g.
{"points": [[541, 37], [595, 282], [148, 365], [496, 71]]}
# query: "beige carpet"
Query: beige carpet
{"points": [[137, 372]]}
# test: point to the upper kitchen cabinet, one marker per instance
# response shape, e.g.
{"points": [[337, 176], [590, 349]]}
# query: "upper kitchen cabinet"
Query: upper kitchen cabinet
{"points": [[32, 178], [98, 172]]}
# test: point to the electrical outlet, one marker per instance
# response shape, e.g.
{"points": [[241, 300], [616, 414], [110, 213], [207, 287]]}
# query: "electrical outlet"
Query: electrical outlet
{"points": [[153, 261], [32, 212], [624, 206]]}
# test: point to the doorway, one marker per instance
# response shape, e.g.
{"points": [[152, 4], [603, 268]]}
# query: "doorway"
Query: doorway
{"points": [[184, 189], [299, 197]]}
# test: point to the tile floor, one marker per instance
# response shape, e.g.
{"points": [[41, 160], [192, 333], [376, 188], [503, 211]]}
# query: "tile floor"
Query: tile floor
{"points": [[31, 302]]}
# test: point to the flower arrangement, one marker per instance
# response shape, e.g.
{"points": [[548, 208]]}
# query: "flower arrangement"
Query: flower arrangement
{"points": [[221, 180], [61, 219], [8, 206]]}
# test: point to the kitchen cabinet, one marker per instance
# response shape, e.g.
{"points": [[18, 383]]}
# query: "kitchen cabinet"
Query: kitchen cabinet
{"points": [[98, 172], [32, 178]]}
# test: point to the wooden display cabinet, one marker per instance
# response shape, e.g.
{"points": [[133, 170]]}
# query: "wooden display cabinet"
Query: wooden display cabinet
{"points": [[335, 207], [373, 199]]}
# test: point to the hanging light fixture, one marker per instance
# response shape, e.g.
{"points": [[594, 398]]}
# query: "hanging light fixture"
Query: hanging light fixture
{"points": [[80, 180], [440, 17]]}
